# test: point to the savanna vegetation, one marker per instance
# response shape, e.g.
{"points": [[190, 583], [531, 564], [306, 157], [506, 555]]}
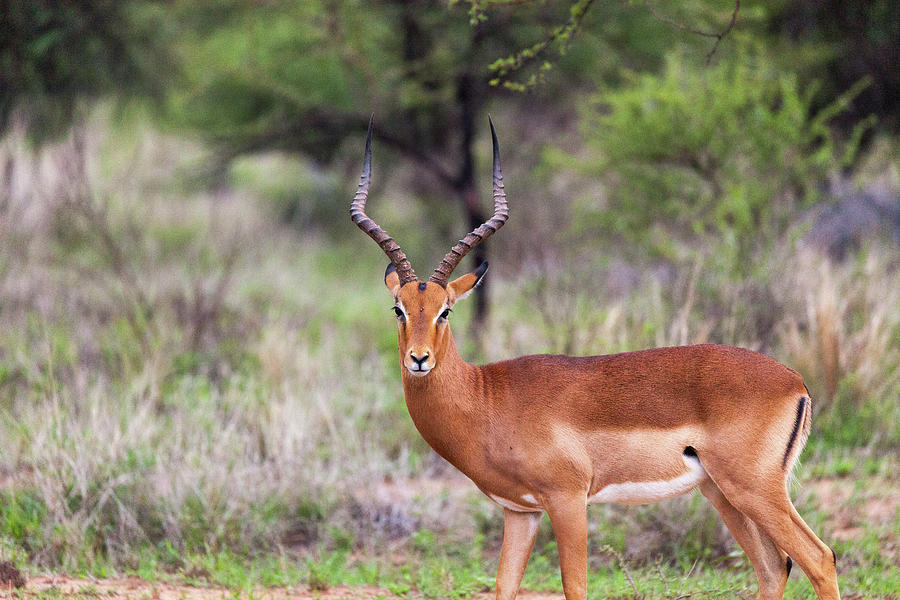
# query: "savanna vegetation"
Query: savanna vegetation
{"points": [[198, 368]]}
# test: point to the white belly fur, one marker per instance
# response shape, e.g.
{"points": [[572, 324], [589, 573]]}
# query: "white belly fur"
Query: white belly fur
{"points": [[629, 492], [645, 492], [514, 506]]}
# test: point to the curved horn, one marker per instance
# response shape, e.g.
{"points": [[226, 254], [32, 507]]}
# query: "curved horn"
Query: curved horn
{"points": [[362, 220], [442, 273]]}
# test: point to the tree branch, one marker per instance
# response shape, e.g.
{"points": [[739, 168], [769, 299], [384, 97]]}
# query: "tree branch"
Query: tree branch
{"points": [[711, 34], [335, 125], [502, 67]]}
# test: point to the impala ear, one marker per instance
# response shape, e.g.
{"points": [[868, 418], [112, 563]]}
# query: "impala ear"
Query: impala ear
{"points": [[391, 279], [462, 287]]}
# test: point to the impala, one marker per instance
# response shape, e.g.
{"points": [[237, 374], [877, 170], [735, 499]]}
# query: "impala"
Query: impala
{"points": [[553, 433]]}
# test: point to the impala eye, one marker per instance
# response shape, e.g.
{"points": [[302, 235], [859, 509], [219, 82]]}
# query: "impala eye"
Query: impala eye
{"points": [[444, 315], [399, 313]]}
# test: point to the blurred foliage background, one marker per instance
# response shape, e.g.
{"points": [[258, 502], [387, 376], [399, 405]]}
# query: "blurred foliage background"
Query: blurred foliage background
{"points": [[185, 304]]}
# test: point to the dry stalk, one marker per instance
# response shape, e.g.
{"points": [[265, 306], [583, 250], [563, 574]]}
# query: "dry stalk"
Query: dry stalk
{"points": [[661, 576], [80, 202], [622, 565]]}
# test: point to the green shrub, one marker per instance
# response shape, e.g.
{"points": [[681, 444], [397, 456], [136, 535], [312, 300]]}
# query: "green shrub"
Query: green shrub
{"points": [[726, 154]]}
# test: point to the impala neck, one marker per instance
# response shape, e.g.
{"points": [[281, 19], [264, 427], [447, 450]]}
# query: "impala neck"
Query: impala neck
{"points": [[443, 404]]}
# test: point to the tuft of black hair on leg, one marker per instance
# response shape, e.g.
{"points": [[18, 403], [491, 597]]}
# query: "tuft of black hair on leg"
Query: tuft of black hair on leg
{"points": [[789, 565]]}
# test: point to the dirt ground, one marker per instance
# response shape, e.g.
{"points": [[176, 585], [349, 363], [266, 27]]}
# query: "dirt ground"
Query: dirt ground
{"points": [[851, 505], [133, 587], [64, 587]]}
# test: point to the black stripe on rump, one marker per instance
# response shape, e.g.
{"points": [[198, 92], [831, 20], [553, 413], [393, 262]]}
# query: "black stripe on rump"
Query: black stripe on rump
{"points": [[797, 422]]}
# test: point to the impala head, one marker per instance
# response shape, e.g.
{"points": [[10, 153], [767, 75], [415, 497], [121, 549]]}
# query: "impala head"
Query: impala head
{"points": [[422, 308], [423, 311]]}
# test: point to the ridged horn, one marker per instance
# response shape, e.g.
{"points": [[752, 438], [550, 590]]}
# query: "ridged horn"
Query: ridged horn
{"points": [[442, 273], [362, 220]]}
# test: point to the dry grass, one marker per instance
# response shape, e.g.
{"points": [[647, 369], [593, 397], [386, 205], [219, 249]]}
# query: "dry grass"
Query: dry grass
{"points": [[182, 369], [844, 331], [836, 323], [150, 391]]}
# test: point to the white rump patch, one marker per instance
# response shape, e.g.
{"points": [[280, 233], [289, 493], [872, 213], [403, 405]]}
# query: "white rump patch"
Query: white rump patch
{"points": [[645, 492], [529, 498]]}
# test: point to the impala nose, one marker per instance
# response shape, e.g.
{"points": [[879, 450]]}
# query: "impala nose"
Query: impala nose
{"points": [[418, 361]]}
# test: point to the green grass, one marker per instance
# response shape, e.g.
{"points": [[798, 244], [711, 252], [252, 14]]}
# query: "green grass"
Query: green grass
{"points": [[443, 563], [459, 571]]}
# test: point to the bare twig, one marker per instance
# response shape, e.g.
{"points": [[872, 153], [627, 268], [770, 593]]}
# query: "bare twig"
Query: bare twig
{"points": [[80, 200], [207, 306], [621, 560], [661, 576], [691, 570], [680, 26], [719, 36]]}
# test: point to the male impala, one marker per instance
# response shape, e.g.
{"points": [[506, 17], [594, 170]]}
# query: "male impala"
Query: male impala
{"points": [[554, 433]]}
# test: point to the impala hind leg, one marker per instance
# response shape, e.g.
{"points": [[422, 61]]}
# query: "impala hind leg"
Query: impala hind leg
{"points": [[778, 517], [765, 501], [568, 516], [771, 564], [519, 532]]}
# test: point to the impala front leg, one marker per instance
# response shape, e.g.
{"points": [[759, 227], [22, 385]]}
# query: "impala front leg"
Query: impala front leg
{"points": [[568, 516], [519, 531]]}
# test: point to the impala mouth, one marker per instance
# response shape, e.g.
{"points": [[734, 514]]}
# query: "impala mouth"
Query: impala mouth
{"points": [[418, 370]]}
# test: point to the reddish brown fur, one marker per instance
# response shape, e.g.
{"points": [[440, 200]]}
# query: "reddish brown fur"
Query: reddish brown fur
{"points": [[545, 432]]}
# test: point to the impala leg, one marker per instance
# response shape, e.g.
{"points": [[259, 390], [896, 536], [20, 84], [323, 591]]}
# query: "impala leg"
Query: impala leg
{"points": [[519, 531], [770, 563], [569, 519], [766, 502], [779, 518]]}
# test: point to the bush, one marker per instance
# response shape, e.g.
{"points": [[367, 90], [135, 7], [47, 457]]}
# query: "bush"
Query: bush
{"points": [[727, 154]]}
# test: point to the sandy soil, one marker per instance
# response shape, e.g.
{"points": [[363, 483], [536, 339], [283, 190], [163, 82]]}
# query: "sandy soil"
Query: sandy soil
{"points": [[64, 587], [133, 587]]}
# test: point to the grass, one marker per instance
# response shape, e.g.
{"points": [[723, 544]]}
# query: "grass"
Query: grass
{"points": [[193, 389], [427, 566]]}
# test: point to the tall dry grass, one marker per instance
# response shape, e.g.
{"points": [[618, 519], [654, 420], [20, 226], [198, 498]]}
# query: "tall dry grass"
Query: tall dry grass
{"points": [[842, 331]]}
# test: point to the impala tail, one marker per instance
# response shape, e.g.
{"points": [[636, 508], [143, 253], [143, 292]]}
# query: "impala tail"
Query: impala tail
{"points": [[799, 433]]}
